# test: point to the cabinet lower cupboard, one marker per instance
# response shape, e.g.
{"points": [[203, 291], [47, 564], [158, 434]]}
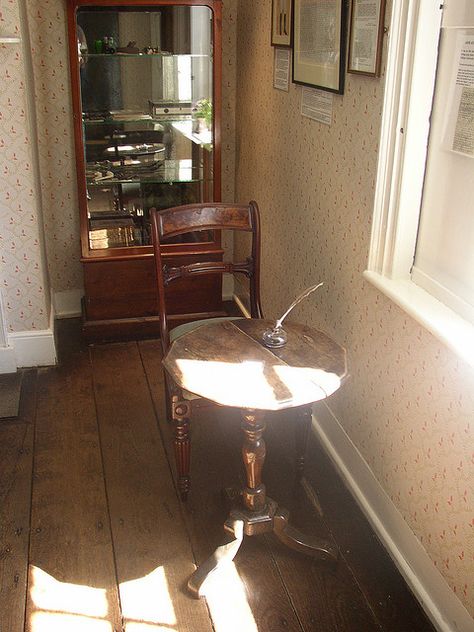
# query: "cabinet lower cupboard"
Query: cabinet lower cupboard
{"points": [[146, 85]]}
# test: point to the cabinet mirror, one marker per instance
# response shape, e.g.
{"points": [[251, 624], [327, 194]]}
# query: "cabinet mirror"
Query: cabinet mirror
{"points": [[147, 125]]}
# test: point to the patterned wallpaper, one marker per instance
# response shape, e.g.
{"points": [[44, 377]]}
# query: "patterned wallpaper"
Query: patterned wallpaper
{"points": [[48, 33], [23, 281], [47, 28], [409, 402], [229, 78]]}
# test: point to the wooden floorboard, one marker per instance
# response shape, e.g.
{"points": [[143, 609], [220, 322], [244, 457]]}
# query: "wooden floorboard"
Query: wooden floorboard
{"points": [[111, 547], [72, 581], [10, 389], [363, 592], [384, 588], [153, 553], [340, 604], [16, 460], [216, 465]]}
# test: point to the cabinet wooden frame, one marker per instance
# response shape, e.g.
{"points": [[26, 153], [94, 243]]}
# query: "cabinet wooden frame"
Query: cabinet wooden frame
{"points": [[115, 257], [73, 5]]}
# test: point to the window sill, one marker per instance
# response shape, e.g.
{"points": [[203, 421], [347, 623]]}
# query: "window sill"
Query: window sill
{"points": [[455, 332]]}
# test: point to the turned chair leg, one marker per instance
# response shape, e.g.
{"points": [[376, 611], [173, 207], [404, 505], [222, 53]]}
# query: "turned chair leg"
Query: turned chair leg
{"points": [[181, 411], [303, 424], [168, 400], [168, 407]]}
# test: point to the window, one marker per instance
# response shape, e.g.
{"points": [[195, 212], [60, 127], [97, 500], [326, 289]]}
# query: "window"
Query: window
{"points": [[426, 266]]}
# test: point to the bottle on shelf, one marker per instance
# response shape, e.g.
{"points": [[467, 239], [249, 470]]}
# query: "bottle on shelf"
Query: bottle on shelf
{"points": [[108, 45]]}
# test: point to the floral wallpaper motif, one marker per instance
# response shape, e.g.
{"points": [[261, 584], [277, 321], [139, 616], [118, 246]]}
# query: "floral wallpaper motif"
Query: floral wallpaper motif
{"points": [[47, 28], [48, 32], [229, 74], [229, 35], [48, 37], [409, 402], [23, 282]]}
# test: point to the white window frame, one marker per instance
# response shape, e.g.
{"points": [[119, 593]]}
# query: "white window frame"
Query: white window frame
{"points": [[410, 82]]}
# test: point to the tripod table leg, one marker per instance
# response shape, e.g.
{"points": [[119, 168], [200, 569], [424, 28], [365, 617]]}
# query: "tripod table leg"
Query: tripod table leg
{"points": [[224, 553], [293, 538]]}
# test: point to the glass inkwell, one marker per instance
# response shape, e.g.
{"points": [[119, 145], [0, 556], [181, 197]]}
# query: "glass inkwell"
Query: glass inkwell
{"points": [[277, 337]]}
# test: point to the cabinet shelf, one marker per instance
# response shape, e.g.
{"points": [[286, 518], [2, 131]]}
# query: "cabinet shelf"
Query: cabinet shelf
{"points": [[168, 172], [139, 119], [151, 180], [161, 55]]}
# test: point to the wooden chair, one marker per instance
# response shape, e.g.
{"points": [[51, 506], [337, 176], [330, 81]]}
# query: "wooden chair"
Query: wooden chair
{"points": [[177, 221]]}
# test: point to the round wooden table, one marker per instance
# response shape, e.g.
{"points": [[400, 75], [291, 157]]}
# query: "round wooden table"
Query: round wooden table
{"points": [[226, 362]]}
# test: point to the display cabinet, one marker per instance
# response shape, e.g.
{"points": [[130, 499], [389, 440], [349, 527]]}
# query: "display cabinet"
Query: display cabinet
{"points": [[146, 82]]}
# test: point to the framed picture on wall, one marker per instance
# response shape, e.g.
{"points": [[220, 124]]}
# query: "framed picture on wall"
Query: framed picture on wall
{"points": [[281, 22], [319, 43], [366, 37]]}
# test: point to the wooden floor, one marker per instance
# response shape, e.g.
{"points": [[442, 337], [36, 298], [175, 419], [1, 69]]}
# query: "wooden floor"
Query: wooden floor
{"points": [[93, 537]]}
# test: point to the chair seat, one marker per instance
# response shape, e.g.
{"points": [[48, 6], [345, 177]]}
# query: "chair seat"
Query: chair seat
{"points": [[185, 328]]}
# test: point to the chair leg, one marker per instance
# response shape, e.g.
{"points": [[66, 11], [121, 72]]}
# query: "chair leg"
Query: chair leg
{"points": [[170, 391], [181, 411], [303, 424], [168, 405]]}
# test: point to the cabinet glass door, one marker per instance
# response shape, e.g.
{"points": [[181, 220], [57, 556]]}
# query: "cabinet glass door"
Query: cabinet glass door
{"points": [[147, 116]]}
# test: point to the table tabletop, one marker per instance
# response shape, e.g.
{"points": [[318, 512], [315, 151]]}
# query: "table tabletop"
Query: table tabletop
{"points": [[227, 363]]}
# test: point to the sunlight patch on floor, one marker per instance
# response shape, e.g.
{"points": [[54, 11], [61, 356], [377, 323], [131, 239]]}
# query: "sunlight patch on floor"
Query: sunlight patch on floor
{"points": [[60, 622], [227, 601], [148, 599], [66, 607], [47, 593], [146, 604]]}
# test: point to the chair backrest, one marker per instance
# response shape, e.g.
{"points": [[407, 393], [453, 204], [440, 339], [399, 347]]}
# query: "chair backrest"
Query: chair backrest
{"points": [[190, 218]]}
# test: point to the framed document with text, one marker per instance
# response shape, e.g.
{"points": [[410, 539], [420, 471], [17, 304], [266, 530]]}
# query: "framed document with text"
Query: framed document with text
{"points": [[319, 44], [366, 37]]}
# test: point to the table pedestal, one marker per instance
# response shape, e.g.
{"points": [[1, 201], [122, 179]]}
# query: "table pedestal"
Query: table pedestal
{"points": [[255, 513]]}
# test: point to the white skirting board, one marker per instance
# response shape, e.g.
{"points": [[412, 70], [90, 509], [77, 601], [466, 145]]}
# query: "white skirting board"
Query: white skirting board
{"points": [[7, 360], [7, 355], [438, 600], [67, 304], [33, 348], [28, 349]]}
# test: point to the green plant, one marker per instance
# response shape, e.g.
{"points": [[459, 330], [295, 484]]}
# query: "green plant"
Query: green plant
{"points": [[204, 110]]}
